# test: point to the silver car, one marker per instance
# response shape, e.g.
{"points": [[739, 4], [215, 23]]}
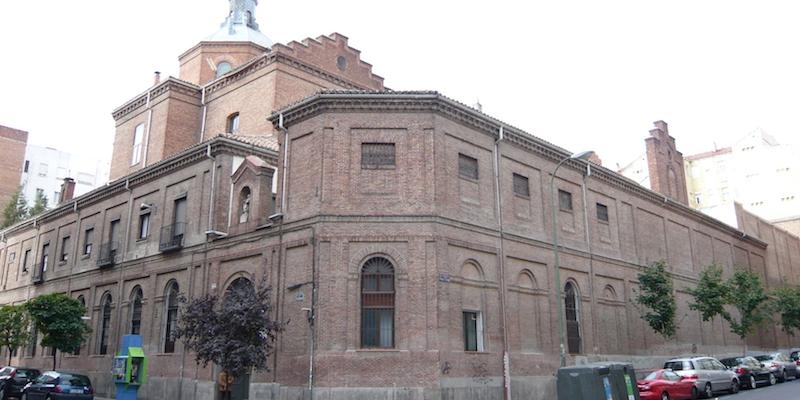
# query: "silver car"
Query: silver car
{"points": [[780, 364], [709, 375]]}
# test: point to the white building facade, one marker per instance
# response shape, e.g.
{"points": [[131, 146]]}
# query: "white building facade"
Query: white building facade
{"points": [[45, 169]]}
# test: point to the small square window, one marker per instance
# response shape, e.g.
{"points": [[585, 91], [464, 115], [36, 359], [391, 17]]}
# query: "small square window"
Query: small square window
{"points": [[564, 200], [602, 212], [377, 155], [521, 187], [467, 167]]}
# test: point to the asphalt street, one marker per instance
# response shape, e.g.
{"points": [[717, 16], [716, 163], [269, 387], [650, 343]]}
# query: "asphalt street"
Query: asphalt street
{"points": [[789, 390]]}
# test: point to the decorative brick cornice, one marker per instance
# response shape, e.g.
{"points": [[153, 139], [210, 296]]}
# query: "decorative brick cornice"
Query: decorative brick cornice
{"points": [[194, 154], [169, 85], [433, 102]]}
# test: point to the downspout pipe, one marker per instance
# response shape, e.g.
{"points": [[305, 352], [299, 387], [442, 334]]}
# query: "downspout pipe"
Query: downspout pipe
{"points": [[499, 210], [280, 218]]}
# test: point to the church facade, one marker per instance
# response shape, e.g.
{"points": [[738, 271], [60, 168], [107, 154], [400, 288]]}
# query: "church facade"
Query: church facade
{"points": [[408, 237]]}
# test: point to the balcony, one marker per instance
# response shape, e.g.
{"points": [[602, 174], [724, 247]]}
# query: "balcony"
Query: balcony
{"points": [[171, 237], [108, 255]]}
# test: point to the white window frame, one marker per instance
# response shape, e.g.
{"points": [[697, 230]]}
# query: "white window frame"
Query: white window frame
{"points": [[478, 329], [138, 135]]}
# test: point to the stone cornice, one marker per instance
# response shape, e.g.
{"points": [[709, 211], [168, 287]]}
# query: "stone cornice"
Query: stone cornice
{"points": [[433, 102], [212, 147], [169, 85]]}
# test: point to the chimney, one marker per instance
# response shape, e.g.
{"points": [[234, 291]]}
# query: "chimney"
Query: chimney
{"points": [[156, 78], [67, 190]]}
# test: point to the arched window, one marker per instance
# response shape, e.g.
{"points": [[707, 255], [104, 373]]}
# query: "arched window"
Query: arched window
{"points": [[377, 303], [245, 198], [171, 317], [136, 311], [232, 124], [105, 324], [573, 323], [223, 68]]}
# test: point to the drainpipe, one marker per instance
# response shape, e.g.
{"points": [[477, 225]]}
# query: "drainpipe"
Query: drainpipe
{"points": [[281, 215], [499, 210], [592, 299], [203, 118], [312, 317]]}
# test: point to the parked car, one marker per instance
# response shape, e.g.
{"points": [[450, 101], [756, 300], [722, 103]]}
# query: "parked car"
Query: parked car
{"points": [[750, 371], [664, 384], [707, 373], [794, 355], [59, 385], [13, 379], [780, 364]]}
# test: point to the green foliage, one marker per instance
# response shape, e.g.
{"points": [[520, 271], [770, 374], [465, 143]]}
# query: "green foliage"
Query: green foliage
{"points": [[748, 296], [743, 292], [14, 327], [58, 317], [658, 299], [15, 210], [39, 205], [235, 332], [711, 294], [786, 303]]}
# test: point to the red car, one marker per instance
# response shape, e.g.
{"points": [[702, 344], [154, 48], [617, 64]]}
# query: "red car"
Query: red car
{"points": [[663, 384]]}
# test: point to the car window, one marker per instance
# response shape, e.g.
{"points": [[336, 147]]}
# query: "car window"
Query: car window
{"points": [[763, 357], [729, 362], [717, 365], [652, 375], [75, 380], [21, 373], [782, 357], [6, 371], [674, 365], [669, 375]]}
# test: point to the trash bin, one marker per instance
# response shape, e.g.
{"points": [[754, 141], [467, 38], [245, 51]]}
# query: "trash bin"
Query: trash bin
{"points": [[597, 381]]}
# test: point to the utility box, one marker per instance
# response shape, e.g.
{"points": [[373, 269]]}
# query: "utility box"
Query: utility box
{"points": [[597, 381]]}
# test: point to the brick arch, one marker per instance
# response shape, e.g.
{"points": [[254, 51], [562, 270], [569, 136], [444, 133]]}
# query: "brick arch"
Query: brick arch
{"points": [[471, 269], [236, 275], [527, 279], [390, 253], [609, 293]]}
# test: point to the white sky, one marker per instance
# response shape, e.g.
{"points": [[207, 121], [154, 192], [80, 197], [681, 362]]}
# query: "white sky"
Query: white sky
{"points": [[580, 74]]}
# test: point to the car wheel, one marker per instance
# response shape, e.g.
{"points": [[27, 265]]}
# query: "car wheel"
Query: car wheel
{"points": [[734, 386], [695, 393], [751, 382], [665, 396], [707, 392], [772, 379]]}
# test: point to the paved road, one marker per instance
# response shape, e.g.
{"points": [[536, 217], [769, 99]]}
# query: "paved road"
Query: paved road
{"points": [[789, 390]]}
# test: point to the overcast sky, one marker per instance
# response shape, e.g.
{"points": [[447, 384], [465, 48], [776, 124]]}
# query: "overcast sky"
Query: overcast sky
{"points": [[580, 74]]}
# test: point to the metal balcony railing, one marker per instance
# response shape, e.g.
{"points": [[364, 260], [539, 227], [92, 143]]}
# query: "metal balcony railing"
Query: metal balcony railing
{"points": [[108, 255], [171, 237]]}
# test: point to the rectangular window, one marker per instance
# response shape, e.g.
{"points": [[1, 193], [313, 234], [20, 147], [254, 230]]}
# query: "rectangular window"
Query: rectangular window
{"points": [[467, 167], [521, 187], [377, 155], [43, 167], [473, 331], [138, 134], [113, 234], [64, 249], [25, 260], [88, 238], [144, 225], [45, 256], [564, 200], [27, 165], [602, 212], [12, 256]]}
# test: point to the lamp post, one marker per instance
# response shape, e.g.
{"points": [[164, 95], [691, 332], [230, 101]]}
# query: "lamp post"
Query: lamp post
{"points": [[585, 155]]}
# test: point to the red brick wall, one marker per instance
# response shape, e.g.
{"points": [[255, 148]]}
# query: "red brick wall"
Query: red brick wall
{"points": [[12, 161]]}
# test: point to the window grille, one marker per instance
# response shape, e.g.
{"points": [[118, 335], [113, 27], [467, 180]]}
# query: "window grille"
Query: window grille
{"points": [[521, 187], [377, 155], [377, 303], [467, 167], [564, 200], [602, 212]]}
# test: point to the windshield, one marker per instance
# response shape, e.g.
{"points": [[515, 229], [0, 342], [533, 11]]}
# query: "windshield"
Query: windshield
{"points": [[764, 357], [651, 376], [675, 365], [75, 380]]}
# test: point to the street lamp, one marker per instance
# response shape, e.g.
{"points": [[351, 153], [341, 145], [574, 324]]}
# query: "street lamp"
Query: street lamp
{"points": [[585, 155]]}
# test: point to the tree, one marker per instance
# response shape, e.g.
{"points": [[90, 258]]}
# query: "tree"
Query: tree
{"points": [[14, 327], [39, 204], [742, 292], [786, 303], [59, 318], [16, 209], [235, 332], [657, 298]]}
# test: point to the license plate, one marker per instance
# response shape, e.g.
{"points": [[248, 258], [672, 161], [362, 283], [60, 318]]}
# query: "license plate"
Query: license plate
{"points": [[76, 391]]}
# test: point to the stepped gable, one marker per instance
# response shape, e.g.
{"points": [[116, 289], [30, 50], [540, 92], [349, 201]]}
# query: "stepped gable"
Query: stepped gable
{"points": [[332, 53]]}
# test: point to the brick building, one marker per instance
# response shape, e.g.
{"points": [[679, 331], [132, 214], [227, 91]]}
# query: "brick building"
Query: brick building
{"points": [[12, 158], [415, 230]]}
